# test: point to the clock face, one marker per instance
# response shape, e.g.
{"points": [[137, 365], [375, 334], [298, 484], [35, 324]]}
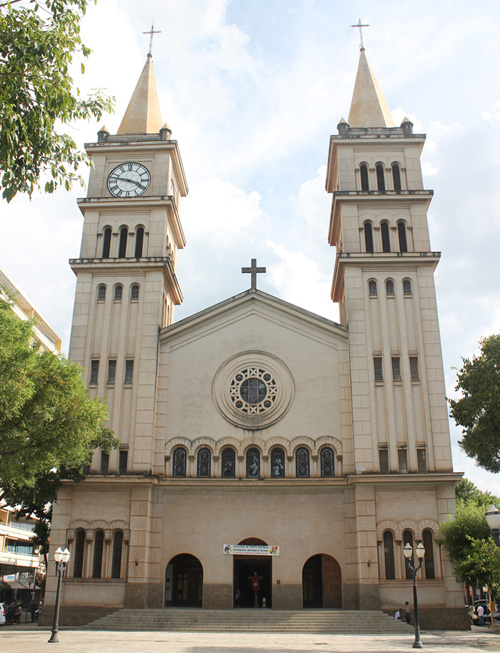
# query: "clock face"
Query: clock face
{"points": [[129, 180]]}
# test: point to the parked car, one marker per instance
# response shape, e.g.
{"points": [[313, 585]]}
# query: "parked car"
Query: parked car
{"points": [[2, 614]]}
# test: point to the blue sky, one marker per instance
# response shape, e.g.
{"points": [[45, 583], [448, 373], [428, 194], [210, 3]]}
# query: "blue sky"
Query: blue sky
{"points": [[252, 90]]}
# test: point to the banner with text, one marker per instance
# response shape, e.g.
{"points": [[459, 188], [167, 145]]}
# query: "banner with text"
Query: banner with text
{"points": [[250, 550]]}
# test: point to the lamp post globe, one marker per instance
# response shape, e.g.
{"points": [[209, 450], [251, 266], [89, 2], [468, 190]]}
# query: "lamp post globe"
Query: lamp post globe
{"points": [[493, 518]]}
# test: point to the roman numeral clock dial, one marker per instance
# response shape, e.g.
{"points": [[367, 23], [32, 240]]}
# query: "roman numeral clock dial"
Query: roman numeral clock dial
{"points": [[129, 180]]}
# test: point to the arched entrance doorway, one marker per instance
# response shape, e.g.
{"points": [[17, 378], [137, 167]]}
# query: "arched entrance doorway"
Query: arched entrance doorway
{"points": [[184, 582], [322, 582], [244, 568]]}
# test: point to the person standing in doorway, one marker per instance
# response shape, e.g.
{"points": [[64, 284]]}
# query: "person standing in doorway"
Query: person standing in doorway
{"points": [[407, 613]]}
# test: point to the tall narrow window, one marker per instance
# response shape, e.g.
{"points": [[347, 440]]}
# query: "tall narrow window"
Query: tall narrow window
{"points": [[94, 371], [403, 245], [415, 376], [396, 177], [253, 463], [403, 461], [422, 460], [369, 237], [122, 247], [408, 539], [118, 292], [228, 463], [406, 286], [377, 368], [116, 562], [386, 238], [277, 463], [134, 292], [390, 570], [363, 173], [122, 461], [129, 371], [98, 550], [104, 462], [139, 241], [327, 459], [101, 292], [383, 460], [106, 242], [302, 463], [78, 555], [372, 288], [111, 370], [379, 168], [427, 537], [179, 463], [396, 368], [203, 463], [389, 287]]}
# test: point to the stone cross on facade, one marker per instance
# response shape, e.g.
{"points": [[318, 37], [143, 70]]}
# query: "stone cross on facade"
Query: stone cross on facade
{"points": [[254, 271], [360, 26], [151, 32]]}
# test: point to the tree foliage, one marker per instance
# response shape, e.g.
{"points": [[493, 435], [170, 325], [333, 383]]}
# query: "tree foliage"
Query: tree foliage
{"points": [[38, 42], [48, 425], [478, 410]]}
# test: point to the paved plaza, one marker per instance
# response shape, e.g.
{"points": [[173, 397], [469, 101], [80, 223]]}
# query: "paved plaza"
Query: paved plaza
{"points": [[30, 640]]}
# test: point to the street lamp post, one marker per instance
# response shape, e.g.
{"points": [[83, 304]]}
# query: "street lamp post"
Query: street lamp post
{"points": [[61, 557], [408, 551], [493, 519]]}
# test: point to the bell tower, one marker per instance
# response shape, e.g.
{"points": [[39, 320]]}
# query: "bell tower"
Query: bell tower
{"points": [[126, 274], [384, 282]]}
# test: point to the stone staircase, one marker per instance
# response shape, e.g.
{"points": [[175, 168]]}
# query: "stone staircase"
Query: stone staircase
{"points": [[247, 620]]}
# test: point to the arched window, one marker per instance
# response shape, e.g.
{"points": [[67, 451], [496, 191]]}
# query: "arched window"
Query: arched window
{"points": [[228, 463], [403, 246], [118, 292], [327, 459], [116, 562], [368, 237], [389, 287], [78, 554], [379, 169], [122, 247], [363, 173], [372, 288], [139, 241], [408, 539], [106, 242], [302, 463], [179, 463], [277, 463], [203, 463], [390, 570], [253, 463], [386, 239], [98, 550], [101, 292], [428, 541], [134, 291], [396, 177], [407, 287]]}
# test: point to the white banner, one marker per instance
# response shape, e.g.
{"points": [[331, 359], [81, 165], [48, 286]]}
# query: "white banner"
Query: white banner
{"points": [[250, 550]]}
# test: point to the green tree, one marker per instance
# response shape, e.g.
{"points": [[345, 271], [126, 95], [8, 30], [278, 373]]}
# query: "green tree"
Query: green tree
{"points": [[478, 410], [48, 425], [38, 42], [481, 563], [468, 493]]}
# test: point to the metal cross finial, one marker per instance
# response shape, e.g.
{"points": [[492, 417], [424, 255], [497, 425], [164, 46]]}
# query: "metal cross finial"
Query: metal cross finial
{"points": [[360, 26], [151, 32], [254, 271]]}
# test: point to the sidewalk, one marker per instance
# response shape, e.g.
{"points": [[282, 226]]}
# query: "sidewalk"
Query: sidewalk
{"points": [[26, 639]]}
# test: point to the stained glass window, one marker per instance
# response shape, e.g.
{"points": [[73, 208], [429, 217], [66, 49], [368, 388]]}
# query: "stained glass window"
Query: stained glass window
{"points": [[408, 539], [327, 463], [390, 570], [277, 463], [253, 463], [302, 462], [179, 463], [116, 563], [98, 551], [79, 551], [203, 466], [228, 467], [253, 390]]}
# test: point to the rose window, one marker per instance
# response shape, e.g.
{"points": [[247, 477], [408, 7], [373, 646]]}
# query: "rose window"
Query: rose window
{"points": [[253, 391]]}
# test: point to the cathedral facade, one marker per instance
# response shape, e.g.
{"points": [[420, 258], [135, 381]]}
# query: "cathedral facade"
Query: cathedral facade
{"points": [[268, 457]]}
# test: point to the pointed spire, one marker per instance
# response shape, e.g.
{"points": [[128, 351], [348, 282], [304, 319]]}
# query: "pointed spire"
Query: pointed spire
{"points": [[368, 106], [143, 114]]}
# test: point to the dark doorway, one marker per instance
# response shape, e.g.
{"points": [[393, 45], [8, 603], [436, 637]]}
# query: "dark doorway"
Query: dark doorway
{"points": [[244, 569], [321, 582], [184, 582]]}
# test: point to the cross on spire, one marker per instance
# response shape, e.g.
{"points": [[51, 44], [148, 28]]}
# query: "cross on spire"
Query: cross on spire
{"points": [[254, 271], [151, 32], [360, 26]]}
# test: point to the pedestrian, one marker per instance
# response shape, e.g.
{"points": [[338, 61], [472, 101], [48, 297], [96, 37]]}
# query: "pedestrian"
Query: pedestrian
{"points": [[398, 614], [11, 613], [18, 613], [480, 614], [33, 610], [407, 612]]}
